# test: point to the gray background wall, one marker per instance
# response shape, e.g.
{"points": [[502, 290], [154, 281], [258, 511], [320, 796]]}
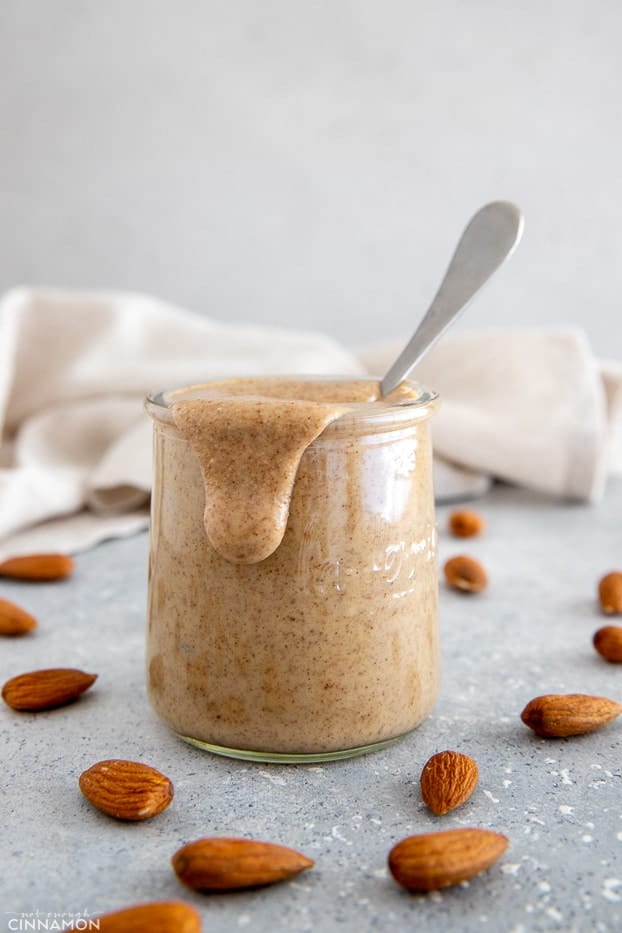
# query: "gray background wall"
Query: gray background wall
{"points": [[311, 163]]}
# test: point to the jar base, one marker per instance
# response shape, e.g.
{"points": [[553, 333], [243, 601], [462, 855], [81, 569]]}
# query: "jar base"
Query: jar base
{"points": [[285, 758]]}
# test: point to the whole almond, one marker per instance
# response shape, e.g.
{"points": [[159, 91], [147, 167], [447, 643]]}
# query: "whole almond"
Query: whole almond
{"points": [[610, 593], [464, 523], [465, 574], [38, 567], [447, 780], [227, 864], [608, 642], [558, 715], [14, 620], [162, 917], [46, 689], [431, 861], [127, 790]]}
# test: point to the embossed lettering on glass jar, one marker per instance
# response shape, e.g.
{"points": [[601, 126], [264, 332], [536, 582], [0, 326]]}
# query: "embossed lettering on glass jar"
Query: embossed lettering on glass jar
{"points": [[328, 646]]}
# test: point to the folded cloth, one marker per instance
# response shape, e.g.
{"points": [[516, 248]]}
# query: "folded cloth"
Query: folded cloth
{"points": [[75, 459], [532, 407]]}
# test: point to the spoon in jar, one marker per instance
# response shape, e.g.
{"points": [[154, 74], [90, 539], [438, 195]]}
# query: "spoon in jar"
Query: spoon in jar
{"points": [[489, 238]]}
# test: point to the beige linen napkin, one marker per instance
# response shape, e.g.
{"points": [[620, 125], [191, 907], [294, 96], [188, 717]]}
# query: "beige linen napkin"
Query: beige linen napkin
{"points": [[75, 459], [531, 407]]}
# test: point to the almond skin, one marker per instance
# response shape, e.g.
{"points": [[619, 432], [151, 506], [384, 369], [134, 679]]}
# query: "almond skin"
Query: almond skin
{"points": [[608, 642], [228, 864], [127, 790], [162, 917], [464, 523], [38, 567], [14, 620], [555, 716], [46, 689], [447, 780], [465, 574], [432, 861], [610, 593]]}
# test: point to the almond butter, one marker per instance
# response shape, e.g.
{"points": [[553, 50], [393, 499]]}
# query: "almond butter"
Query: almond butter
{"points": [[127, 790], [431, 861], [162, 917], [227, 864], [15, 620], [464, 523], [447, 780], [558, 715], [465, 574], [608, 642], [46, 689], [610, 593], [38, 567]]}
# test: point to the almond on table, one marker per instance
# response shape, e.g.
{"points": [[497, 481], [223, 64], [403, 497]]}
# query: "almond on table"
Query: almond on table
{"points": [[432, 861], [126, 790], [228, 864], [608, 642], [46, 689], [610, 593], [465, 574], [38, 568], [464, 523], [555, 716], [447, 780], [14, 620], [160, 917]]}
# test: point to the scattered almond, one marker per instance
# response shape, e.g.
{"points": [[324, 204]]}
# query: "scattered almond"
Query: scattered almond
{"points": [[226, 864], [38, 567], [610, 593], [46, 689], [465, 574], [127, 790], [465, 524], [162, 917], [608, 642], [558, 715], [431, 861], [447, 780], [14, 620]]}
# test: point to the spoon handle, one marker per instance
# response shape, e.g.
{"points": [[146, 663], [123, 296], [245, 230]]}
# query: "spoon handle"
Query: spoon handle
{"points": [[489, 238]]}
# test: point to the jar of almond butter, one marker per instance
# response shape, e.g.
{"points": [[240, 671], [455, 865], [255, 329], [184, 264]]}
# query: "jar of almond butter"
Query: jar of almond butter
{"points": [[293, 570]]}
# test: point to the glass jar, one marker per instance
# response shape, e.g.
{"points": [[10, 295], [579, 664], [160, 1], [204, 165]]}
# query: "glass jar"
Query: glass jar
{"points": [[328, 647]]}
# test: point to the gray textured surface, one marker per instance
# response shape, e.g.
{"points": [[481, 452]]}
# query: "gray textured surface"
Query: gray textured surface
{"points": [[560, 802]]}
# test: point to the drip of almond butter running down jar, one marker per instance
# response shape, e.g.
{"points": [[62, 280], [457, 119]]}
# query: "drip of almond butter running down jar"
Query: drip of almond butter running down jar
{"points": [[293, 591]]}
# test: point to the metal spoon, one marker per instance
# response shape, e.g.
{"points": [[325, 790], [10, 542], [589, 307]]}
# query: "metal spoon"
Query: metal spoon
{"points": [[489, 238]]}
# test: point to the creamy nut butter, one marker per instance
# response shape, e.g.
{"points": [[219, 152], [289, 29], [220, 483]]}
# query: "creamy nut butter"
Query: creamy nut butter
{"points": [[293, 576]]}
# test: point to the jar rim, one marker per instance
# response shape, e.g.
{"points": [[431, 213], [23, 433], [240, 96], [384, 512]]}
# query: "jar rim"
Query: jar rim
{"points": [[423, 402]]}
